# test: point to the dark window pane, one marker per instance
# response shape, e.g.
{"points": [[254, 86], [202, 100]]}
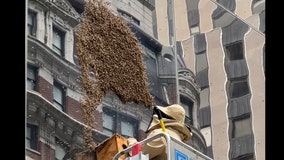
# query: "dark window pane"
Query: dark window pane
{"points": [[31, 77], [31, 136], [245, 157], [58, 96], [239, 89], [188, 107], [31, 23], [234, 51], [58, 41]]}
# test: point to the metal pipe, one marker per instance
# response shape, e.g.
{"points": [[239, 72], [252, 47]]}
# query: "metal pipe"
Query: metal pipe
{"points": [[173, 44]]}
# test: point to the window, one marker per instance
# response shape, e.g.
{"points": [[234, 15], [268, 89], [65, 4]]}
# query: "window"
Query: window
{"points": [[205, 95], [31, 136], [234, 51], [245, 157], [58, 39], [241, 126], [59, 96], [108, 124], [201, 62], [128, 17], [127, 128], [194, 29], [238, 87], [114, 122], [60, 149], [188, 107], [31, 23], [31, 77]]}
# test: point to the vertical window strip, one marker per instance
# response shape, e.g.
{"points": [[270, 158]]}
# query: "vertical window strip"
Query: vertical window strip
{"points": [[188, 107], [31, 78], [58, 39], [59, 96], [31, 136], [32, 23]]}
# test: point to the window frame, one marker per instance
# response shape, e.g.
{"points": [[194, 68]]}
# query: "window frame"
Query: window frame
{"points": [[61, 106], [62, 34], [33, 139], [248, 156], [118, 117], [188, 108], [234, 81], [233, 121], [235, 51], [29, 79], [32, 28], [128, 16]]}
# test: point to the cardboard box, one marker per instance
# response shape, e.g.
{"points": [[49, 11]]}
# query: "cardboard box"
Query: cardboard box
{"points": [[107, 149]]}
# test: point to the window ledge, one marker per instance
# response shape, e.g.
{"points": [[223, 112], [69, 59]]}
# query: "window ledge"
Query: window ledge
{"points": [[33, 151]]}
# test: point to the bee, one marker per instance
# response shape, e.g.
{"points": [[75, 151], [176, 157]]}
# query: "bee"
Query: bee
{"points": [[110, 59]]}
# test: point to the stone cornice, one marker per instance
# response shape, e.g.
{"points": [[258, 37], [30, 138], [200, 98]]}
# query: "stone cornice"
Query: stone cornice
{"points": [[64, 10]]}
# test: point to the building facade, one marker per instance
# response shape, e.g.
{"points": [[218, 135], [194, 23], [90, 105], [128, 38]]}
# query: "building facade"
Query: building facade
{"points": [[223, 43], [54, 117], [207, 56]]}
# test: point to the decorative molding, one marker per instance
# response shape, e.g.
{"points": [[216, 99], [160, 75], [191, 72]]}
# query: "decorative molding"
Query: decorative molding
{"points": [[59, 21], [64, 10], [64, 6], [188, 92]]}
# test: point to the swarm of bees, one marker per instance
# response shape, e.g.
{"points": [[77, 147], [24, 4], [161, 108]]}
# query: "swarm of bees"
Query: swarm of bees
{"points": [[108, 48]]}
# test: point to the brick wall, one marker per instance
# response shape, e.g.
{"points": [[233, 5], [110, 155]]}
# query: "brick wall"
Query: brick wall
{"points": [[45, 89], [47, 153], [74, 109]]}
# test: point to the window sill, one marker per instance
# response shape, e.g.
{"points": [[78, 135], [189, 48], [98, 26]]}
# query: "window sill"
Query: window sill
{"points": [[33, 151]]}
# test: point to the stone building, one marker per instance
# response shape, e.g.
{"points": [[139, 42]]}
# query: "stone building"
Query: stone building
{"points": [[213, 51]]}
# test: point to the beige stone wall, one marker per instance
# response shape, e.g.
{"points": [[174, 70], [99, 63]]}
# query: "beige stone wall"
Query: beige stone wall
{"points": [[254, 55], [205, 11], [182, 30], [189, 55], [218, 97], [243, 8], [162, 22]]}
